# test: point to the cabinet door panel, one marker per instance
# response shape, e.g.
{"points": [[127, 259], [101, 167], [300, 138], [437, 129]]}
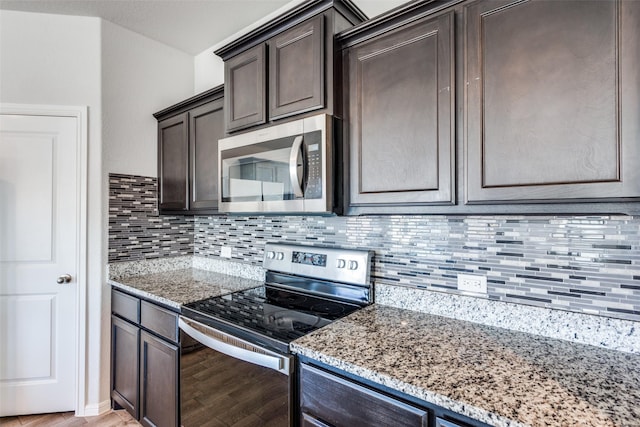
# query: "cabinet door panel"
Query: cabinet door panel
{"points": [[245, 78], [206, 128], [341, 403], [401, 116], [545, 86], [173, 174], [296, 69], [159, 364], [124, 364]]}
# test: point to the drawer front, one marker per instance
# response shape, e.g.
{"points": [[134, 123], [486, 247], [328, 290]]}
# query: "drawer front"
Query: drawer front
{"points": [[441, 422], [159, 320], [125, 306], [338, 402], [310, 421]]}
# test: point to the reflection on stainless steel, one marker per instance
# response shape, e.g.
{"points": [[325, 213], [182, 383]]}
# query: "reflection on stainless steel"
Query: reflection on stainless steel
{"points": [[285, 168]]}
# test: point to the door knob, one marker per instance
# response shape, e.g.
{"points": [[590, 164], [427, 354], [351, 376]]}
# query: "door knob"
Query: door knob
{"points": [[65, 278]]}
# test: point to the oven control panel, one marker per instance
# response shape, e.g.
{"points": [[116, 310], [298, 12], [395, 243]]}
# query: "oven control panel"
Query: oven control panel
{"points": [[342, 265]]}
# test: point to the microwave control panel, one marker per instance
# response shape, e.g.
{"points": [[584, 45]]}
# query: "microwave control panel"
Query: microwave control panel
{"points": [[313, 151]]}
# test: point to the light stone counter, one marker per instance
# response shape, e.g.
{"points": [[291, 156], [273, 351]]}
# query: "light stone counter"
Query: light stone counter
{"points": [[494, 375], [178, 287]]}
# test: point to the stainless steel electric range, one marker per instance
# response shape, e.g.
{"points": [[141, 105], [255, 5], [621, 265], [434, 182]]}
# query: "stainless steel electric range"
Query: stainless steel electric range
{"points": [[243, 373]]}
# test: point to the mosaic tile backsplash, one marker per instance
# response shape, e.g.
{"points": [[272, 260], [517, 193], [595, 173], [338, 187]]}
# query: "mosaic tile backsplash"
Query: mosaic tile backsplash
{"points": [[136, 231], [583, 264]]}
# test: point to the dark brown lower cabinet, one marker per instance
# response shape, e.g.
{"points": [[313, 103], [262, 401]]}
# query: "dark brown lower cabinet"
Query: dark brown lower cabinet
{"points": [[145, 360], [125, 339], [331, 398], [159, 364]]}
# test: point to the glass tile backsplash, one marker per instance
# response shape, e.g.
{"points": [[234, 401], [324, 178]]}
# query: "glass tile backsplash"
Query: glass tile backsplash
{"points": [[588, 264], [136, 231]]}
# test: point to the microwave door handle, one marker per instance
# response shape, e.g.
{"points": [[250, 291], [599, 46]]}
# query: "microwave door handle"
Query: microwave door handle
{"points": [[293, 166]]}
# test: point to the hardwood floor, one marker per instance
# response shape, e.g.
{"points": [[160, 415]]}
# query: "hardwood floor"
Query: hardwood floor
{"points": [[67, 419]]}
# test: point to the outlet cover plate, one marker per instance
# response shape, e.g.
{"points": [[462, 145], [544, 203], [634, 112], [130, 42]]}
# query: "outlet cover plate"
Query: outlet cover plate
{"points": [[472, 283], [225, 252]]}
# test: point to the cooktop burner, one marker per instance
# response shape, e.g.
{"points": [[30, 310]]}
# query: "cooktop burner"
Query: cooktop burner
{"points": [[277, 313]]}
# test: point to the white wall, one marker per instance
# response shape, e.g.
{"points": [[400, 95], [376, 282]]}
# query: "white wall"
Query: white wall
{"points": [[139, 77], [209, 68], [123, 78], [55, 60], [208, 71]]}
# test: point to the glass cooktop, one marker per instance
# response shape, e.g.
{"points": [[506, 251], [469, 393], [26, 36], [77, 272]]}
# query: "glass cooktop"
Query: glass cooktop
{"points": [[276, 313]]}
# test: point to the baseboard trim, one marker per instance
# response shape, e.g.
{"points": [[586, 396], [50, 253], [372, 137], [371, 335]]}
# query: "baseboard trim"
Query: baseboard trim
{"points": [[95, 409]]}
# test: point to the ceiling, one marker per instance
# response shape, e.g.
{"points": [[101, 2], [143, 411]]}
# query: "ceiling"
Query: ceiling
{"points": [[191, 26]]}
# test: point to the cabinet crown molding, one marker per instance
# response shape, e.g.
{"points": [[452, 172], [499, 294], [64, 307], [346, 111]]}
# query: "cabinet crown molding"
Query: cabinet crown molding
{"points": [[287, 20]]}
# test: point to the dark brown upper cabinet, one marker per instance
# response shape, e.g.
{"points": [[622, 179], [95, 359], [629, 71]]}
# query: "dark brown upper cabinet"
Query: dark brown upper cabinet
{"points": [[296, 69], [206, 127], [188, 135], [544, 119], [287, 66], [245, 76], [401, 117], [173, 166], [553, 101]]}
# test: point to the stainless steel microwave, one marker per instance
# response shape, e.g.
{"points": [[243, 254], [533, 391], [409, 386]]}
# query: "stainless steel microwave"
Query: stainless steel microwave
{"points": [[285, 168]]}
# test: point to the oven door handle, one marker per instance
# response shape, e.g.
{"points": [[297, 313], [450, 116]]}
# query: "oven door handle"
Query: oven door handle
{"points": [[235, 347], [293, 166]]}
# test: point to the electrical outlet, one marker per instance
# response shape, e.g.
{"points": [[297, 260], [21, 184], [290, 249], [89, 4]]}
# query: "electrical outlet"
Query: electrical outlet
{"points": [[472, 283], [225, 252]]}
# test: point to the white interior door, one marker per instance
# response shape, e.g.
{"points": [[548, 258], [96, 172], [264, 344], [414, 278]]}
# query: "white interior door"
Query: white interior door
{"points": [[38, 244]]}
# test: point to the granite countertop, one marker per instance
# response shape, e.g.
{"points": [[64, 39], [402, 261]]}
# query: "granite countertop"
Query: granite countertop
{"points": [[494, 375], [179, 287]]}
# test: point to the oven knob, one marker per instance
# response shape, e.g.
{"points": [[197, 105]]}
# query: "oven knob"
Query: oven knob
{"points": [[271, 255], [353, 265], [280, 256], [341, 263]]}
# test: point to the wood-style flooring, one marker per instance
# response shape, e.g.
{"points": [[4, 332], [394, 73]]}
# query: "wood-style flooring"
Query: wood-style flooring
{"points": [[67, 419]]}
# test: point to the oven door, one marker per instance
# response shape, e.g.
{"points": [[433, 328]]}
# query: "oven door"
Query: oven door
{"points": [[230, 381], [279, 169]]}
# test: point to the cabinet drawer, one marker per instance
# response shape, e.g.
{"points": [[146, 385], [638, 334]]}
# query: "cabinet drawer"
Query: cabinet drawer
{"points": [[441, 422], [125, 306], [338, 402], [311, 421], [159, 320]]}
